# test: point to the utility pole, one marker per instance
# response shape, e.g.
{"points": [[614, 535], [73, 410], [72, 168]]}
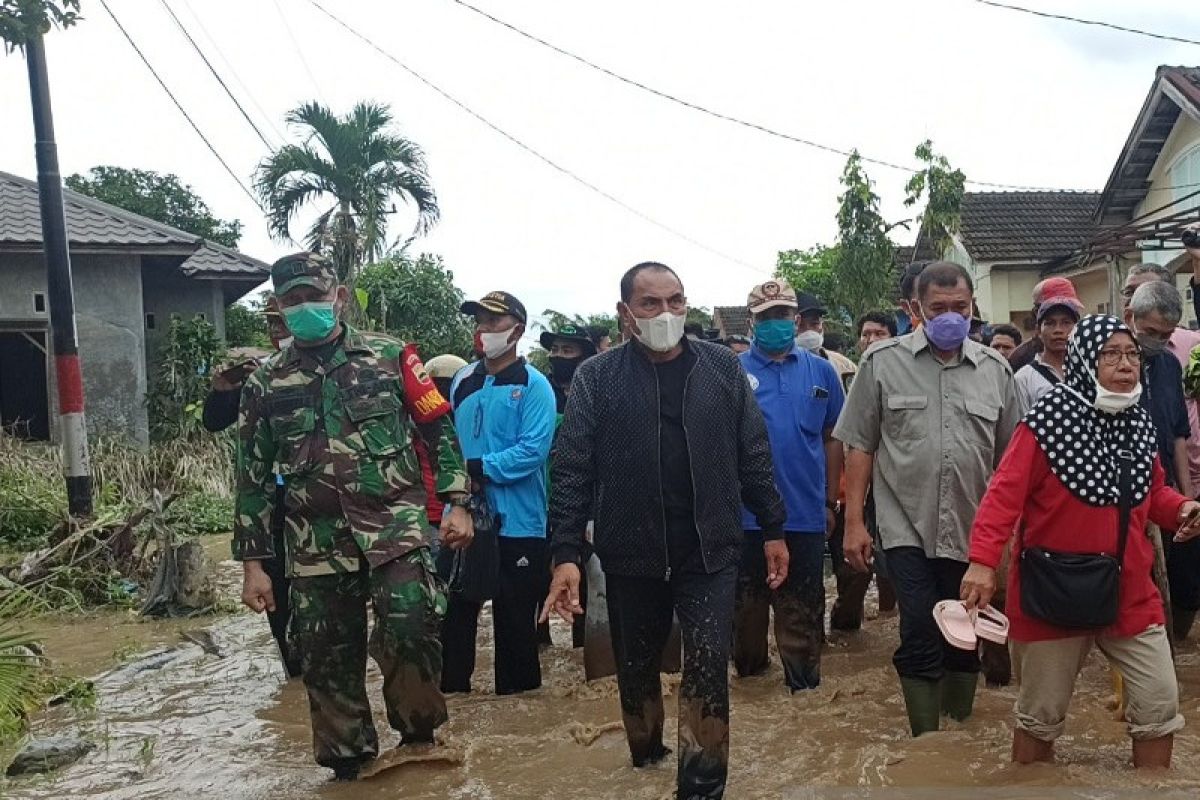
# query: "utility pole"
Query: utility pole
{"points": [[61, 295]]}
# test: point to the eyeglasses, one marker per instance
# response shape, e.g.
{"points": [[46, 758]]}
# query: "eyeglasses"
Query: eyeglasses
{"points": [[1110, 358]]}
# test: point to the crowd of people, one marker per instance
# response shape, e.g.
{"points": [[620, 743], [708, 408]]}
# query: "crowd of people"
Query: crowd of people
{"points": [[676, 488]]}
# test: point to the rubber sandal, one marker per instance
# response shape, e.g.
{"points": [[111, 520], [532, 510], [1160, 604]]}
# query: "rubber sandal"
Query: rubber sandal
{"points": [[991, 624], [956, 624]]}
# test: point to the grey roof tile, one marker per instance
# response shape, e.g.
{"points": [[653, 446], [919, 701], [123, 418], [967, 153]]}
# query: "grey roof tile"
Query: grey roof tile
{"points": [[91, 223], [1026, 226]]}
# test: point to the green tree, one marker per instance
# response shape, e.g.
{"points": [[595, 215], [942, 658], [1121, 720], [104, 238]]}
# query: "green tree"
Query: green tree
{"points": [[942, 188], [813, 270], [21, 20], [246, 327], [181, 378], [160, 197], [864, 271], [417, 301], [355, 166], [856, 274]]}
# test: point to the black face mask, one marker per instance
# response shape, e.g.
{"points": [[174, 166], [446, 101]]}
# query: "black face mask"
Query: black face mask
{"points": [[563, 369]]}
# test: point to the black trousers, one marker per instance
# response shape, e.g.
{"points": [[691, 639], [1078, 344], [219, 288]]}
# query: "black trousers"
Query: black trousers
{"points": [[799, 606], [276, 569], [523, 585], [920, 583], [1183, 572], [639, 614]]}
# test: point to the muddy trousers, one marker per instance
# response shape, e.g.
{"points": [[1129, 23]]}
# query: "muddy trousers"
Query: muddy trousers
{"points": [[920, 583], [639, 616], [329, 632], [523, 585], [799, 606]]}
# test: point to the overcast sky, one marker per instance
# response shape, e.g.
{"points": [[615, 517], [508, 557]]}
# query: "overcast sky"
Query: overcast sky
{"points": [[1009, 98]]}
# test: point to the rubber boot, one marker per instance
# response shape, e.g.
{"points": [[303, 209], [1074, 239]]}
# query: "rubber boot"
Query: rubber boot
{"points": [[958, 694], [923, 701]]}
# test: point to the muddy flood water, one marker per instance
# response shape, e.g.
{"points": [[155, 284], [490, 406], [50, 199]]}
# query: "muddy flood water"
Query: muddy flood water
{"points": [[180, 721]]}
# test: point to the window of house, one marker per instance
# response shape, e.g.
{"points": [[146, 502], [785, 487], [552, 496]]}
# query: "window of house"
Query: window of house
{"points": [[150, 321], [39, 302], [1185, 173]]}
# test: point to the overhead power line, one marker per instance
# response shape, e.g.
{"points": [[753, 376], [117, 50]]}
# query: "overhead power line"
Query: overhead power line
{"points": [[1098, 23], [531, 150], [663, 95], [179, 106], [300, 52], [269, 118], [179, 24]]}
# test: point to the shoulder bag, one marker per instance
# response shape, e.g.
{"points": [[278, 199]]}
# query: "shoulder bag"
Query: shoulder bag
{"points": [[1078, 590]]}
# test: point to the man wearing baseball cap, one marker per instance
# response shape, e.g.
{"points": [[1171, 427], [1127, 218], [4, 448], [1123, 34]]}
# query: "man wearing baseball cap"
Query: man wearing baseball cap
{"points": [[330, 414], [504, 409], [1026, 350], [800, 395], [1056, 316]]}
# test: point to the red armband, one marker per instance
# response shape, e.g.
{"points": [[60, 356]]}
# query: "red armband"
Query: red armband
{"points": [[421, 397]]}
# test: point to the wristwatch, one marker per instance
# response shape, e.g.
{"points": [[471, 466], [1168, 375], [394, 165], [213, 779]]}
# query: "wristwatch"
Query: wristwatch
{"points": [[834, 505]]}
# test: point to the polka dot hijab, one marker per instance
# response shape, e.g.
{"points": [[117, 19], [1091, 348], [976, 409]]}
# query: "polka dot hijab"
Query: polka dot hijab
{"points": [[1081, 442]]}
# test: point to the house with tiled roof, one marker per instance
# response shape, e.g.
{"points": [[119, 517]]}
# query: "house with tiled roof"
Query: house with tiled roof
{"points": [[732, 320], [1011, 240], [131, 275]]}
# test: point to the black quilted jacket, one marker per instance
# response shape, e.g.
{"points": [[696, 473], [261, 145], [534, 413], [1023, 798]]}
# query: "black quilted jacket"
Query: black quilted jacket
{"points": [[605, 464]]}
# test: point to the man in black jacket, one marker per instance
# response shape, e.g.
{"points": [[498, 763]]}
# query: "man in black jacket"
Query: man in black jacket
{"points": [[661, 443]]}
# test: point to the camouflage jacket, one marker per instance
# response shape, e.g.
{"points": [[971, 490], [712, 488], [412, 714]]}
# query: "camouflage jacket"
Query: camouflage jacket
{"points": [[340, 436]]}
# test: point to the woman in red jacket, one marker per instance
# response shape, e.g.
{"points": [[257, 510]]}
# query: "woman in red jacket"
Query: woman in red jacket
{"points": [[1059, 483]]}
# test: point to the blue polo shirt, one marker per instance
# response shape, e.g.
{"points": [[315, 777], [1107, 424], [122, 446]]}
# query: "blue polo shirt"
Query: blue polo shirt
{"points": [[801, 398]]}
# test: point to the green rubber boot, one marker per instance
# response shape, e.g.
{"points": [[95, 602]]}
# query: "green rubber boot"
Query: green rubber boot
{"points": [[958, 694], [923, 700]]}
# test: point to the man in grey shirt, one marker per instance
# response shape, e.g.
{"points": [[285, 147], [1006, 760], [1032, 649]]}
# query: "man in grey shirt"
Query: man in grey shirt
{"points": [[926, 421]]}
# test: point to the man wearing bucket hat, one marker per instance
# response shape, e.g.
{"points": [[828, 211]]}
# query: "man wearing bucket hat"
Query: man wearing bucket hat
{"points": [[568, 345], [331, 414]]}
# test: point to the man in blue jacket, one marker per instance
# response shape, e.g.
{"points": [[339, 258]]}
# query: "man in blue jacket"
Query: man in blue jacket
{"points": [[800, 395], [507, 413]]}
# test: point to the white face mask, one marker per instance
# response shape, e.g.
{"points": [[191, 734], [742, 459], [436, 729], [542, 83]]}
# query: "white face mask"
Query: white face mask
{"points": [[810, 341], [1111, 402], [286, 342], [495, 344], [661, 333]]}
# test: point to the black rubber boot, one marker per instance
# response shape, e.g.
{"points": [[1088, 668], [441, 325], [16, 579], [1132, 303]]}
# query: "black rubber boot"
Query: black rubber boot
{"points": [[346, 770], [958, 694], [923, 701]]}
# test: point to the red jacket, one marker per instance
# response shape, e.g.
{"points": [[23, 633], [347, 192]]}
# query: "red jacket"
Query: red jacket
{"points": [[1024, 490]]}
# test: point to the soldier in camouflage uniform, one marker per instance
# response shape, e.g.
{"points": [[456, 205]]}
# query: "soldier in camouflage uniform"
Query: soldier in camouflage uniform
{"points": [[333, 414]]}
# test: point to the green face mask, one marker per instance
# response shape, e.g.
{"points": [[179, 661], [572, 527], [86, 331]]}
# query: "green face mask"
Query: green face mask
{"points": [[311, 322]]}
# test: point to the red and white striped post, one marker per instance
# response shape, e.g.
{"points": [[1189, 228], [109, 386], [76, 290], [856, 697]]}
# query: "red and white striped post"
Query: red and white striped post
{"points": [[68, 376]]}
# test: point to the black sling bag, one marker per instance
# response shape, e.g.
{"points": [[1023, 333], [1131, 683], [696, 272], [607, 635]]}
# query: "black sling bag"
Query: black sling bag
{"points": [[1078, 590]]}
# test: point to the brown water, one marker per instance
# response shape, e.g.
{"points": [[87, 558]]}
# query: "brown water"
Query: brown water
{"points": [[207, 726]]}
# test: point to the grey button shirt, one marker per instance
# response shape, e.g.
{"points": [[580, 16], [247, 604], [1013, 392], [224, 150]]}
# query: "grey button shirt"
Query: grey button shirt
{"points": [[937, 431]]}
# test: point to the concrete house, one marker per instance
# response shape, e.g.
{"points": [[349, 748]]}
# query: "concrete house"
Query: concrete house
{"points": [[1011, 240], [131, 274]]}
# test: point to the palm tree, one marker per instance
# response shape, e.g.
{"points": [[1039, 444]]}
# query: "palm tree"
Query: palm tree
{"points": [[358, 166]]}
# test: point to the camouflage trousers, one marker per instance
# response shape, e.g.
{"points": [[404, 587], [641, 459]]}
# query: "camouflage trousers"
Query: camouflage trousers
{"points": [[329, 632], [799, 606]]}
